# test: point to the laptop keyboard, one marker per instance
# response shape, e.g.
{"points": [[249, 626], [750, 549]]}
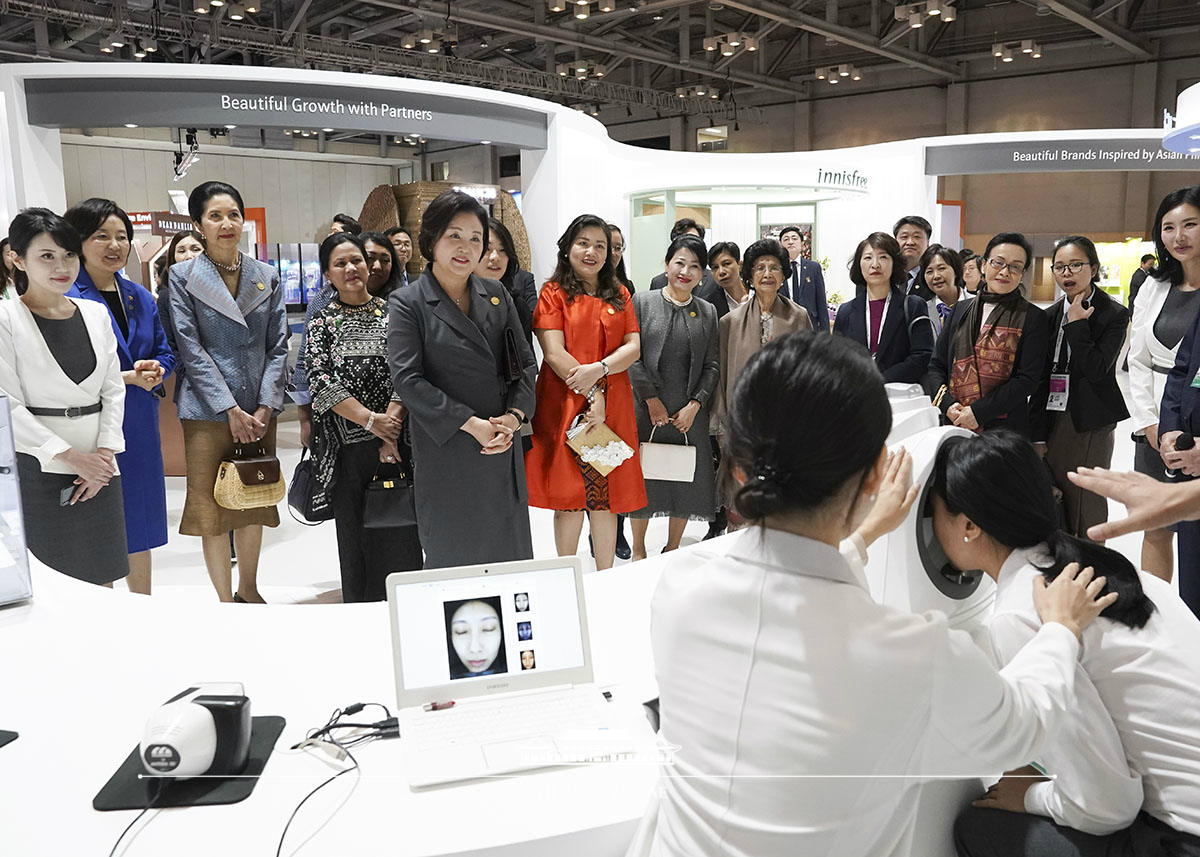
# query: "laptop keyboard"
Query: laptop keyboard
{"points": [[507, 720]]}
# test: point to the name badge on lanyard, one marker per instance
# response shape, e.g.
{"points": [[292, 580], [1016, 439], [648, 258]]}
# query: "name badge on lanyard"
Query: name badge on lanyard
{"points": [[1058, 393]]}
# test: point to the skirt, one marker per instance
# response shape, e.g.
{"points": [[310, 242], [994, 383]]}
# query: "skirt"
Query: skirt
{"points": [[205, 444], [93, 549]]}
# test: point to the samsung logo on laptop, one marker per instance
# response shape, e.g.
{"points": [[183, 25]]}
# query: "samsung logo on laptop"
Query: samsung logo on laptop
{"points": [[497, 686]]}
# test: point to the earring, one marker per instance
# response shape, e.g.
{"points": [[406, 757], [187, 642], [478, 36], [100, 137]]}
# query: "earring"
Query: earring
{"points": [[965, 539]]}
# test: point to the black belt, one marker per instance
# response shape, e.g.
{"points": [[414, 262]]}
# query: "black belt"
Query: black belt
{"points": [[69, 413], [1161, 371]]}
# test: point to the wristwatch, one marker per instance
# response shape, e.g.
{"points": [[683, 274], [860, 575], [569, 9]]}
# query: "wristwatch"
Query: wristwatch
{"points": [[520, 419]]}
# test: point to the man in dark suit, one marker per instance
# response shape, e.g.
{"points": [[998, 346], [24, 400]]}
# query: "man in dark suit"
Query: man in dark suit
{"points": [[912, 232], [1139, 277], [708, 288], [805, 281]]}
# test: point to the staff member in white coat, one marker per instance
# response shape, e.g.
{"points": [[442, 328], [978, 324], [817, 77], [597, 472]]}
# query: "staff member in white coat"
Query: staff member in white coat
{"points": [[60, 370], [795, 699], [1132, 742], [1168, 302]]}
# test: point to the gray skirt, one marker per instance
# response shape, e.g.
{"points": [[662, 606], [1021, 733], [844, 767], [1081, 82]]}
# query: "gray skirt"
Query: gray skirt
{"points": [[85, 541]]}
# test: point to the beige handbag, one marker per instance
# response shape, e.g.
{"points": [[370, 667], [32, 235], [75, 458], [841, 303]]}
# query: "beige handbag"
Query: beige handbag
{"points": [[249, 481], [668, 462]]}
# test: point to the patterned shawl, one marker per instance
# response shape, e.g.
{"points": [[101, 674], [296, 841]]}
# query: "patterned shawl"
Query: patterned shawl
{"points": [[983, 357]]}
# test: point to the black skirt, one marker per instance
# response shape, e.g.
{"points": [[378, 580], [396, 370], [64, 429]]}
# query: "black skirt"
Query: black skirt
{"points": [[85, 541]]}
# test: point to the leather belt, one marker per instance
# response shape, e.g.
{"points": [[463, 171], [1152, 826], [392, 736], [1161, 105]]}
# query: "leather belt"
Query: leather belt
{"points": [[1161, 371], [69, 413]]}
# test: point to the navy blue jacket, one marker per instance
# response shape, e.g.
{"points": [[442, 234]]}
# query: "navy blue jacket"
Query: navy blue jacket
{"points": [[810, 293], [1180, 408], [905, 338]]}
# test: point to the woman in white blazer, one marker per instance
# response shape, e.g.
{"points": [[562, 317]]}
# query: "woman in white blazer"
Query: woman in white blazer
{"points": [[807, 714], [60, 371], [1164, 311], [1126, 764]]}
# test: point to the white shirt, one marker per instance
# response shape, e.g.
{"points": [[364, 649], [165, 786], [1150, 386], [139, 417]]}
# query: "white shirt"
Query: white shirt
{"points": [[1148, 684], [778, 673]]}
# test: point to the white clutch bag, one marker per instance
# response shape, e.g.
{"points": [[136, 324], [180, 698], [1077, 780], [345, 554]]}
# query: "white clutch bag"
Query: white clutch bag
{"points": [[668, 462]]}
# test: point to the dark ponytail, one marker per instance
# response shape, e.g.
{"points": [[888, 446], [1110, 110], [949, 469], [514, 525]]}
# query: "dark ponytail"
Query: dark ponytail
{"points": [[787, 422], [998, 481]]}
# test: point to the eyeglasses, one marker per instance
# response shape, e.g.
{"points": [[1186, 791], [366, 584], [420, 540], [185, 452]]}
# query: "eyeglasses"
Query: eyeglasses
{"points": [[618, 248], [1074, 267], [767, 269], [1016, 267]]}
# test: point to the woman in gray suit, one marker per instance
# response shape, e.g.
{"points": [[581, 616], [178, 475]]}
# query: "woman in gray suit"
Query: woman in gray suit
{"points": [[464, 371], [673, 381], [231, 336]]}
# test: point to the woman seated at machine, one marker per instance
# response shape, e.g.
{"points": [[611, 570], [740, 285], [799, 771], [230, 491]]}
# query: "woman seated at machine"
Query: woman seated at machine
{"points": [[1126, 764]]}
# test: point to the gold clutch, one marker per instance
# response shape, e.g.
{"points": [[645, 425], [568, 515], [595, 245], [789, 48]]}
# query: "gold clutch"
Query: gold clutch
{"points": [[581, 435]]}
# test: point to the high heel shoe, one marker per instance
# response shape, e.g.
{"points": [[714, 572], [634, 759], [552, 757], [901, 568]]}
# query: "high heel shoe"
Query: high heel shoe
{"points": [[237, 599]]}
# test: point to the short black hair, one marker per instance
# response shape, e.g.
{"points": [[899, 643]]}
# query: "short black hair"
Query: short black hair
{"points": [[396, 230], [436, 220], [510, 249], [947, 255], [690, 243], [89, 215], [383, 241], [785, 230], [913, 220], [886, 243], [199, 198], [349, 224], [1169, 268], [1083, 243], [1010, 238], [728, 247], [760, 248], [31, 223], [683, 224], [1149, 257], [332, 242]]}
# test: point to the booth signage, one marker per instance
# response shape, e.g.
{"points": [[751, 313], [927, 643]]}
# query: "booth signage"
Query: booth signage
{"points": [[964, 159], [105, 102], [842, 179]]}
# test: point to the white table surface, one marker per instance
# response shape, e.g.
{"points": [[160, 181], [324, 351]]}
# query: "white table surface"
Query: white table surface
{"points": [[84, 666]]}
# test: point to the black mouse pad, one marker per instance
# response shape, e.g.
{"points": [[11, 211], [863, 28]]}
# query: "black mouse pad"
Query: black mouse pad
{"points": [[7, 737], [124, 790]]}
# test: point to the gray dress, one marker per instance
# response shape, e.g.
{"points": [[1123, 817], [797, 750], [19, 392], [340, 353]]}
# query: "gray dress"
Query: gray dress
{"points": [[678, 363], [445, 366]]}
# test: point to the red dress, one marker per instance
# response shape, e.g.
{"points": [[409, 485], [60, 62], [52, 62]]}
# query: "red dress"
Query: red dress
{"points": [[593, 329]]}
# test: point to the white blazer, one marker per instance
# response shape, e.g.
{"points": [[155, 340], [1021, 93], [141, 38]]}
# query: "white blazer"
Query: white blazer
{"points": [[1146, 352], [29, 375], [1145, 684], [782, 681]]}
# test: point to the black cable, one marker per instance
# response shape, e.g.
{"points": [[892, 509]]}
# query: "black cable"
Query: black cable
{"points": [[160, 784], [292, 817]]}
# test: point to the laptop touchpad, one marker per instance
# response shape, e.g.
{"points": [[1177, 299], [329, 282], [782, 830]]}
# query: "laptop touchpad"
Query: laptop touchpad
{"points": [[530, 752]]}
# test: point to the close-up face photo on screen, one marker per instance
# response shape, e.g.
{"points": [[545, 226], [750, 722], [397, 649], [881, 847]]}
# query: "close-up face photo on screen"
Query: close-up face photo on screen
{"points": [[476, 637]]}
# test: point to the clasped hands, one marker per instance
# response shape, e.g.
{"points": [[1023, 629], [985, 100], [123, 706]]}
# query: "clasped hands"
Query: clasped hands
{"points": [[95, 469], [962, 416], [681, 419], [146, 374], [583, 377], [248, 428], [495, 434]]}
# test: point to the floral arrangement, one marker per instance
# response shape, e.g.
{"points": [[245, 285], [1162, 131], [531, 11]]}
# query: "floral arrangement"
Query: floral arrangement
{"points": [[610, 455]]}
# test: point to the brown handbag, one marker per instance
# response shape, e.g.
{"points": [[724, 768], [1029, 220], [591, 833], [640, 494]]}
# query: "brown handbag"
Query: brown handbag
{"points": [[249, 479]]}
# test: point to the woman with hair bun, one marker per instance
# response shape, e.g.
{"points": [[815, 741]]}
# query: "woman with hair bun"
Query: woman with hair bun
{"points": [[773, 660], [1125, 766]]}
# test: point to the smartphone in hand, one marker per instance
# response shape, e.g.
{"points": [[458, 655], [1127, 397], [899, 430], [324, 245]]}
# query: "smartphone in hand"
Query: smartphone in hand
{"points": [[65, 495]]}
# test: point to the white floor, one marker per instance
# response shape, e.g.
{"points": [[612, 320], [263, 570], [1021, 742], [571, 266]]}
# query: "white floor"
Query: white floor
{"points": [[299, 564]]}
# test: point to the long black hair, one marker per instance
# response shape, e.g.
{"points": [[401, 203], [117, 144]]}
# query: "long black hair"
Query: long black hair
{"points": [[998, 481], [619, 269], [607, 287], [31, 223], [787, 420], [1169, 268], [510, 250]]}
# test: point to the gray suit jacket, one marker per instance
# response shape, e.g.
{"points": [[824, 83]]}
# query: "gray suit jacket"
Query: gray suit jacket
{"points": [[653, 318], [234, 352]]}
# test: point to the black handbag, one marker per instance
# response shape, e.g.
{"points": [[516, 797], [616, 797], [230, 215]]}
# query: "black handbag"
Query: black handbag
{"points": [[306, 504], [512, 370], [388, 501]]}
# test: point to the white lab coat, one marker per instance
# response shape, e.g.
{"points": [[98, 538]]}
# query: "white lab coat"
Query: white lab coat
{"points": [[1145, 682], [1146, 352], [30, 376], [807, 715]]}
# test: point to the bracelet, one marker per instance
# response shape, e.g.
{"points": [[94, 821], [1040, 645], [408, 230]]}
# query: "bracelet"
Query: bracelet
{"points": [[520, 419], [370, 422], [604, 363]]}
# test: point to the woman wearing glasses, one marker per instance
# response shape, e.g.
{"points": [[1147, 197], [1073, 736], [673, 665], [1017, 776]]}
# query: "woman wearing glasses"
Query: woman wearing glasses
{"points": [[1078, 404], [992, 349]]}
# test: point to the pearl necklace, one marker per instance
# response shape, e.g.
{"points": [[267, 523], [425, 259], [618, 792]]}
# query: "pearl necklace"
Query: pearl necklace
{"points": [[233, 269], [677, 303]]}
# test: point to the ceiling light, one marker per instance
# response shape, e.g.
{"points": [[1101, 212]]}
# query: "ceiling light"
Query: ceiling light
{"points": [[733, 39], [843, 70], [150, 45], [130, 124], [751, 43], [107, 48], [138, 50], [915, 21], [900, 12], [726, 49], [485, 142], [681, 92], [1006, 56], [305, 134], [200, 7], [699, 90], [833, 78], [1037, 51], [556, 6], [581, 66], [422, 140], [287, 133], [252, 7], [710, 43], [657, 17], [933, 7], [408, 41], [1026, 46], [607, 6], [581, 13], [237, 12], [821, 74], [563, 69], [218, 2], [855, 74], [425, 36], [600, 70], [118, 39], [594, 110], [948, 14], [714, 94], [434, 47], [997, 50], [327, 130], [230, 127]]}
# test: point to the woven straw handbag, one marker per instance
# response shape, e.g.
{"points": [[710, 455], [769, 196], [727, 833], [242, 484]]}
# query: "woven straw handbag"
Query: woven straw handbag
{"points": [[250, 479]]}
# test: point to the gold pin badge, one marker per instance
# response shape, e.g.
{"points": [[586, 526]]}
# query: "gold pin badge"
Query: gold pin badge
{"points": [[260, 286], [692, 314], [378, 312], [495, 301]]}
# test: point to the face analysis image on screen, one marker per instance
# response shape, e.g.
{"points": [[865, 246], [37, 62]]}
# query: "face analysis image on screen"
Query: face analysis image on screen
{"points": [[528, 661], [475, 636], [521, 602]]}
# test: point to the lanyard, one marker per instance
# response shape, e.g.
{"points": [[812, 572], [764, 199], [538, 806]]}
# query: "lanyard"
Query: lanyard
{"points": [[1062, 329], [887, 302]]}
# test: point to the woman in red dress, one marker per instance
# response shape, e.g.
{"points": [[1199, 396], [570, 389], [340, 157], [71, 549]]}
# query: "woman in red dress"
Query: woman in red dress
{"points": [[589, 335]]}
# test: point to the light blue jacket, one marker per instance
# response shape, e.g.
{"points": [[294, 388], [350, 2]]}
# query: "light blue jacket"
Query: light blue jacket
{"points": [[233, 352]]}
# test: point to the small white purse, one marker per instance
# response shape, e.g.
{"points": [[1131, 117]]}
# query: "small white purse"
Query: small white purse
{"points": [[668, 462]]}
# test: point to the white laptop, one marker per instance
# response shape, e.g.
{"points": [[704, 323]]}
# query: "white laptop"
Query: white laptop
{"points": [[507, 644]]}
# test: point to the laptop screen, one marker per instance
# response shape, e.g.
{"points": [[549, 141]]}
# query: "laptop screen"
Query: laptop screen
{"points": [[468, 630]]}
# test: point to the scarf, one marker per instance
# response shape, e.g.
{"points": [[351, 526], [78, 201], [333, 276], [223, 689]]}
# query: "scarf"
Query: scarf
{"points": [[983, 358]]}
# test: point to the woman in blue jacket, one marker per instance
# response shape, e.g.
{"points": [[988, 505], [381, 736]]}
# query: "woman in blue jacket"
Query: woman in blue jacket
{"points": [[146, 359]]}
